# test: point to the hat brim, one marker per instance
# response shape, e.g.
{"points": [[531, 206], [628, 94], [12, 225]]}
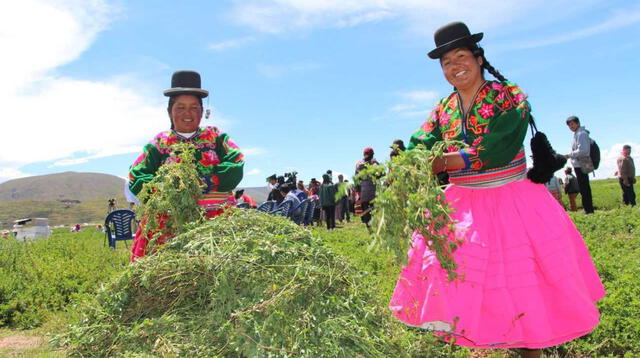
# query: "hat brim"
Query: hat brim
{"points": [[171, 92], [442, 49]]}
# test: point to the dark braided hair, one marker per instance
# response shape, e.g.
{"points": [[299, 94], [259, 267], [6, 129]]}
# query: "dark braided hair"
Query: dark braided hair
{"points": [[478, 51], [172, 101]]}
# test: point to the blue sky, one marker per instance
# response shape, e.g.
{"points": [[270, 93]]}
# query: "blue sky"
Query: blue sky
{"points": [[299, 85]]}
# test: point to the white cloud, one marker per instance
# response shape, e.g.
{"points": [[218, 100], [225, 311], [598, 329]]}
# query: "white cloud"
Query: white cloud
{"points": [[420, 96], [229, 44], [416, 103], [11, 173], [422, 16], [251, 151], [54, 117], [358, 19], [617, 20], [100, 154], [609, 156], [254, 171], [276, 71]]}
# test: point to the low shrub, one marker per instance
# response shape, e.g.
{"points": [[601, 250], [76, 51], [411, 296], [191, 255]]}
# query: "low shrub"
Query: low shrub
{"points": [[47, 275]]}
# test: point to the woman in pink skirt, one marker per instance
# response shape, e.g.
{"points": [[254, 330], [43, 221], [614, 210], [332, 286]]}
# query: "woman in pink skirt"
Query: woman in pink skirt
{"points": [[524, 278]]}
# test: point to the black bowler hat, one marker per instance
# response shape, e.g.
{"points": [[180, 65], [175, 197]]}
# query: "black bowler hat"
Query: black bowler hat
{"points": [[186, 82], [271, 177], [452, 36]]}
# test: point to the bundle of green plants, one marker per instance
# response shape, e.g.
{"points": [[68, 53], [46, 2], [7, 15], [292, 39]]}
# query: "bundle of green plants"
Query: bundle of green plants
{"points": [[246, 284], [170, 198], [409, 198]]}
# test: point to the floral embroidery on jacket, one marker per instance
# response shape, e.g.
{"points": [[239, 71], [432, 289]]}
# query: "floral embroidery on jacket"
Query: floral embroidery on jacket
{"points": [[499, 107]]}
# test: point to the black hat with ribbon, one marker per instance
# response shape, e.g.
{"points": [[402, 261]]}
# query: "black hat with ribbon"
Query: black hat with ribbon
{"points": [[452, 36], [186, 82]]}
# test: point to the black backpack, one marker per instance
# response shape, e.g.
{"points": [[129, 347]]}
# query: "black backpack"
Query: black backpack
{"points": [[594, 153]]}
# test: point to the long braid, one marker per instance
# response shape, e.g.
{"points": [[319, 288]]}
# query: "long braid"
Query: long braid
{"points": [[479, 51]]}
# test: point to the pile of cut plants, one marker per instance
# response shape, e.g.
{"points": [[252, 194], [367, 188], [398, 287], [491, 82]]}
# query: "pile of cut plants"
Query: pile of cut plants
{"points": [[245, 285]]}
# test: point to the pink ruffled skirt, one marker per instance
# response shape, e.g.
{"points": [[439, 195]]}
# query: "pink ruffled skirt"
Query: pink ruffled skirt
{"points": [[525, 277]]}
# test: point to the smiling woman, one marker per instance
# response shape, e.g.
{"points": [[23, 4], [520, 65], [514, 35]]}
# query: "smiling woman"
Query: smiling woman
{"points": [[524, 276], [218, 159]]}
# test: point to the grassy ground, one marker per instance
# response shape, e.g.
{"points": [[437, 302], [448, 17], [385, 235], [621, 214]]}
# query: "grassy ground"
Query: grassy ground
{"points": [[82, 262]]}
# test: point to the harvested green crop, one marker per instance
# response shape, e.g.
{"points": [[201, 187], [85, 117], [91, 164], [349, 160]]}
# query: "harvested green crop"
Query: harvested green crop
{"points": [[244, 285], [409, 198], [173, 193]]}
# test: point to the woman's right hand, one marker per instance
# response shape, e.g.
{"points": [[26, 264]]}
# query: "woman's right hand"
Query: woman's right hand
{"points": [[438, 165]]}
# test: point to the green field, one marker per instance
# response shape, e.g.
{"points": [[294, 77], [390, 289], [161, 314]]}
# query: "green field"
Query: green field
{"points": [[41, 283]]}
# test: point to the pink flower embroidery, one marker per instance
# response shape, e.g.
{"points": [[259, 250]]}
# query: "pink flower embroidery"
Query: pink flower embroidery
{"points": [[477, 141], [519, 97], [486, 110], [444, 118], [496, 86], [428, 126], [209, 158]]}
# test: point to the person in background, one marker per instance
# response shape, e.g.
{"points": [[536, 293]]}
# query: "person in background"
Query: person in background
{"points": [[219, 160], [627, 176], [314, 194], [571, 188], [553, 185], [99, 228], [342, 209], [367, 189], [112, 205], [289, 195], [328, 201], [396, 148], [271, 182], [301, 192], [580, 149], [274, 185], [339, 197], [76, 228], [241, 197]]}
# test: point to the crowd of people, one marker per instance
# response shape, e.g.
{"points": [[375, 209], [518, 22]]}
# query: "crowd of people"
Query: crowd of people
{"points": [[333, 201]]}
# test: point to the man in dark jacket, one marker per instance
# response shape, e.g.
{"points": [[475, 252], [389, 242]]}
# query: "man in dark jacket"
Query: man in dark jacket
{"points": [[367, 186]]}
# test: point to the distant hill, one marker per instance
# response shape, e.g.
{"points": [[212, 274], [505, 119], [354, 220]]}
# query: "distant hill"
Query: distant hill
{"points": [[65, 198], [69, 198], [259, 194], [62, 186]]}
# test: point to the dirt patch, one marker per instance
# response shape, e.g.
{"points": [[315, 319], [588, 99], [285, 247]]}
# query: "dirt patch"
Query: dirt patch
{"points": [[20, 342]]}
